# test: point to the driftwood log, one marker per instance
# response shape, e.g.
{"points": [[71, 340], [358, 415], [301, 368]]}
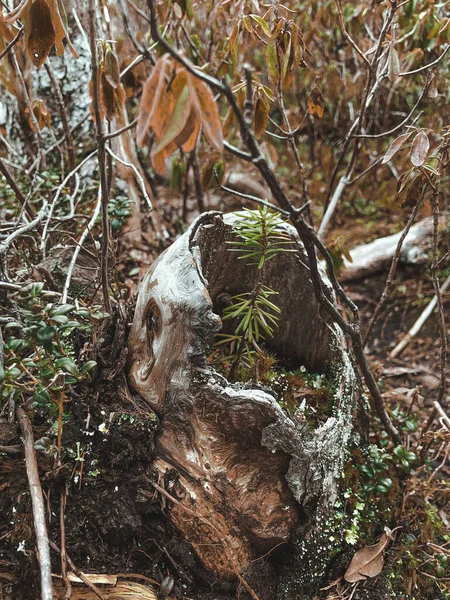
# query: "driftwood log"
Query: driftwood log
{"points": [[368, 259], [249, 474]]}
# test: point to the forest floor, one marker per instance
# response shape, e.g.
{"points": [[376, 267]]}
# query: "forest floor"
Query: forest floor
{"points": [[115, 525]]}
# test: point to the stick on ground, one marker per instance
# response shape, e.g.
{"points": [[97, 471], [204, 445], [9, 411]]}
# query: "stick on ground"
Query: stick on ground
{"points": [[37, 501]]}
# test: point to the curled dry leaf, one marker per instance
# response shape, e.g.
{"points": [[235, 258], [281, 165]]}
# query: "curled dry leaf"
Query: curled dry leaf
{"points": [[316, 103], [367, 562], [176, 105], [261, 116], [41, 114], [5, 31], [395, 146], [111, 92], [44, 23], [419, 149]]}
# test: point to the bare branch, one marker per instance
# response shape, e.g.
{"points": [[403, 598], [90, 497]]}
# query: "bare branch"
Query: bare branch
{"points": [[37, 501]]}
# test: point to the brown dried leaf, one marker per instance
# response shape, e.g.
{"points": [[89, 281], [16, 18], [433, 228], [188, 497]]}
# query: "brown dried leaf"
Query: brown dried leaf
{"points": [[431, 86], [272, 60], [393, 65], [59, 20], [189, 145], [395, 146], [111, 66], [41, 114], [261, 116], [207, 112], [39, 32], [44, 25], [419, 149], [367, 562], [178, 117], [316, 103], [151, 108], [5, 31], [159, 158]]}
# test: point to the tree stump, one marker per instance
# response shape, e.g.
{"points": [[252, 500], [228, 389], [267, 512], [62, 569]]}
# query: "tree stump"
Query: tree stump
{"points": [[249, 474]]}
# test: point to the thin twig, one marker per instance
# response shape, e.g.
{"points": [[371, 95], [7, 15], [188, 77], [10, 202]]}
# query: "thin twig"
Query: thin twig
{"points": [[62, 527], [228, 190], [77, 250], [101, 145], [420, 322], [347, 35], [12, 43], [28, 227], [114, 134], [392, 271], [428, 66], [37, 501], [136, 172], [16, 189], [64, 118]]}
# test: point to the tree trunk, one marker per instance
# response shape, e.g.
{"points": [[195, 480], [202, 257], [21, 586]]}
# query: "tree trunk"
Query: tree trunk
{"points": [[246, 475]]}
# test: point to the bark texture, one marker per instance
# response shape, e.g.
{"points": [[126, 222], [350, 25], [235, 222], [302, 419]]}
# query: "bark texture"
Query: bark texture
{"points": [[250, 472]]}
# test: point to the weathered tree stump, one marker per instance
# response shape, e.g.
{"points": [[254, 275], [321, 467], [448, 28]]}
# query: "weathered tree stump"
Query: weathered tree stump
{"points": [[249, 474]]}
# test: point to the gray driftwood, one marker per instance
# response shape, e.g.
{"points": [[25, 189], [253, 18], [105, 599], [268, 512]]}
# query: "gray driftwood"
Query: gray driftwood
{"points": [[375, 257], [249, 472]]}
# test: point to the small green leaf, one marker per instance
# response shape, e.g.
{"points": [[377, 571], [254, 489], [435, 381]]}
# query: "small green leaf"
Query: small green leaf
{"points": [[63, 309], [46, 334], [67, 364], [88, 367], [60, 319]]}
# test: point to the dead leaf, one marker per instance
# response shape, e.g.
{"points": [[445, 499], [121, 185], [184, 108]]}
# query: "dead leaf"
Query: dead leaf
{"points": [[393, 65], [261, 116], [5, 31], [395, 146], [316, 103], [367, 562], [39, 32], [111, 67], [207, 112], [150, 107], [44, 26], [41, 114], [419, 149]]}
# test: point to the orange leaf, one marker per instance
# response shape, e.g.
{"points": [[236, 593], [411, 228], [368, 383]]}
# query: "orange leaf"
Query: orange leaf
{"points": [[159, 158], [207, 112], [316, 103], [178, 117], [149, 109], [189, 145]]}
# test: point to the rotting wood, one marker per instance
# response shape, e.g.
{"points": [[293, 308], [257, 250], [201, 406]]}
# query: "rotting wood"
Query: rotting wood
{"points": [[242, 462]]}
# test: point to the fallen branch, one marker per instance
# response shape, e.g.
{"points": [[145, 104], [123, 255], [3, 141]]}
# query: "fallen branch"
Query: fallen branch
{"points": [[419, 323], [368, 259], [37, 501]]}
